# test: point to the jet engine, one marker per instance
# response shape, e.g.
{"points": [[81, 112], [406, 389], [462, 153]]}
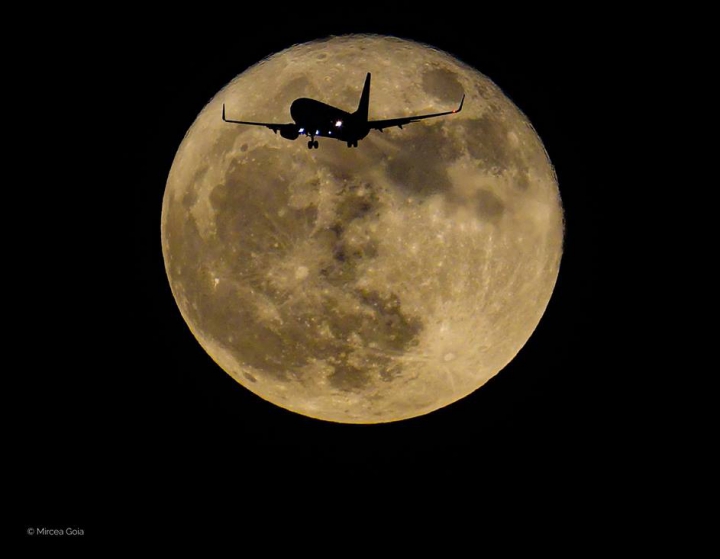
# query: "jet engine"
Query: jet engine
{"points": [[289, 132]]}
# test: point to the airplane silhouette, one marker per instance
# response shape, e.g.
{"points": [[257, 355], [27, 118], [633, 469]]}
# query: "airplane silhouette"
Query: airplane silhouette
{"points": [[313, 118]]}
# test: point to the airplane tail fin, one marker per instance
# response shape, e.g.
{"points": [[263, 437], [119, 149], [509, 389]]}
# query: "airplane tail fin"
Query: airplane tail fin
{"points": [[364, 105]]}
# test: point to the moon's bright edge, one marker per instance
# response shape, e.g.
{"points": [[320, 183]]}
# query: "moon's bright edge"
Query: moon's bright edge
{"points": [[363, 285]]}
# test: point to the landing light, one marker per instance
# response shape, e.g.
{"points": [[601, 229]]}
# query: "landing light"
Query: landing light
{"points": [[301, 131], [338, 124]]}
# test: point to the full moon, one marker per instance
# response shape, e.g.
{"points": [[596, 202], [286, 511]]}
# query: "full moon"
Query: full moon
{"points": [[371, 284]]}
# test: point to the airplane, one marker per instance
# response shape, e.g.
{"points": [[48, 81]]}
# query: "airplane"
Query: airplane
{"points": [[314, 118]]}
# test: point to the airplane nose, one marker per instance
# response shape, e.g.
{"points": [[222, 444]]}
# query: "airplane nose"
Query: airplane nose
{"points": [[297, 109]]}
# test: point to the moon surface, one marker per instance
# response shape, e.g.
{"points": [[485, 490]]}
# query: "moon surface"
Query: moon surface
{"points": [[363, 285]]}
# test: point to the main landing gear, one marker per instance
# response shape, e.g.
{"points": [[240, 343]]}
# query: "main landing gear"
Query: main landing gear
{"points": [[313, 144], [352, 144]]}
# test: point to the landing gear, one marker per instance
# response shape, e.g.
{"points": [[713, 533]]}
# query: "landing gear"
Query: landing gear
{"points": [[352, 143], [313, 144]]}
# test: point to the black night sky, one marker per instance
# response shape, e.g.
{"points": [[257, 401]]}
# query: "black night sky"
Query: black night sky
{"points": [[124, 405]]}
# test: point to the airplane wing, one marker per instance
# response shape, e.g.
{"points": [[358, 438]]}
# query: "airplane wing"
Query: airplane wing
{"points": [[400, 122], [271, 125]]}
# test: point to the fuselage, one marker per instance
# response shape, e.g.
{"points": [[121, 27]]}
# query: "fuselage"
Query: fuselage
{"points": [[315, 118]]}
